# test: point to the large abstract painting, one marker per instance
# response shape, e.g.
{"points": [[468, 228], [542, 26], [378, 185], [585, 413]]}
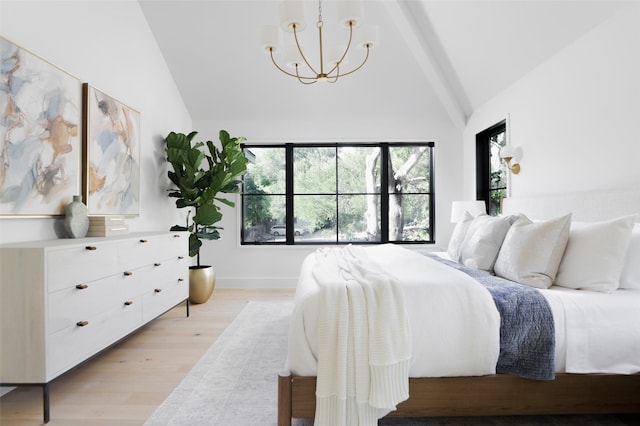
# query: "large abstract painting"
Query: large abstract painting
{"points": [[39, 134], [112, 148]]}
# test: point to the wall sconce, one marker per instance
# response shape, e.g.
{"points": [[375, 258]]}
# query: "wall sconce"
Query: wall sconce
{"points": [[475, 208], [512, 156]]}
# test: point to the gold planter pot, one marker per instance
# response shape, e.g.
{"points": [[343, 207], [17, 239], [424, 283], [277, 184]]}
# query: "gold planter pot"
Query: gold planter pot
{"points": [[202, 280]]}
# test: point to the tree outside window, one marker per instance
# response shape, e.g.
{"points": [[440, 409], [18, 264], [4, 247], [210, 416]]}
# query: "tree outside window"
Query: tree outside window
{"points": [[498, 180]]}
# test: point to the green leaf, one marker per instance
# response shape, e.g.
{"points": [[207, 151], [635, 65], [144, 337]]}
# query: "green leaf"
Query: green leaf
{"points": [[207, 214], [182, 203], [225, 201], [194, 245], [209, 233]]}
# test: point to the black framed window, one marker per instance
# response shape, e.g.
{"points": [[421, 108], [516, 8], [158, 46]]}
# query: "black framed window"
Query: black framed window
{"points": [[491, 172], [338, 193]]}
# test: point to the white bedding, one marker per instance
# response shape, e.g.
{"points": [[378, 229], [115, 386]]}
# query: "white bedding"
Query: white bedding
{"points": [[450, 316], [595, 332]]}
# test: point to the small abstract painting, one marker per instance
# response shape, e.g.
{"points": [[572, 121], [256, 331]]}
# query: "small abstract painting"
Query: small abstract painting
{"points": [[40, 118], [112, 150]]}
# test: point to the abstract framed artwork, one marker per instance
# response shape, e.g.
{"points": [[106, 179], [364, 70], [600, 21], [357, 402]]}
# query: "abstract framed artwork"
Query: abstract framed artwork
{"points": [[40, 120], [112, 155]]}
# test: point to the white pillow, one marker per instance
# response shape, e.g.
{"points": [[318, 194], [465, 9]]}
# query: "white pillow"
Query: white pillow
{"points": [[595, 255], [631, 271], [531, 252], [483, 240], [457, 238]]}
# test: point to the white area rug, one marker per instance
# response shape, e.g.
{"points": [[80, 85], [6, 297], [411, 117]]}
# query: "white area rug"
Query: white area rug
{"points": [[235, 382]]}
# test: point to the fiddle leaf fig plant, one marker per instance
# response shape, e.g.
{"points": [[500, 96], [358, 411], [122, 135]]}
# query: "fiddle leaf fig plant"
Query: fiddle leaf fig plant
{"points": [[199, 178]]}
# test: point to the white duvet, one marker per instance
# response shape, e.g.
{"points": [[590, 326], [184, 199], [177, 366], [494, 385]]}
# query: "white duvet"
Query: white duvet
{"points": [[455, 325], [450, 316]]}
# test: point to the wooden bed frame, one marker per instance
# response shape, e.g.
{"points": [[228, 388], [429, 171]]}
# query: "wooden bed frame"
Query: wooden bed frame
{"points": [[504, 394], [485, 396]]}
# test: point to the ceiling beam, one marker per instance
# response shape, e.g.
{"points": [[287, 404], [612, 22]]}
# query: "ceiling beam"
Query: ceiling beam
{"points": [[406, 20]]}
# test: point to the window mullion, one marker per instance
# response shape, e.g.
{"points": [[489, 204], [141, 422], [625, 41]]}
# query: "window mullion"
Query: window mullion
{"points": [[289, 219], [384, 193], [432, 198], [336, 195]]}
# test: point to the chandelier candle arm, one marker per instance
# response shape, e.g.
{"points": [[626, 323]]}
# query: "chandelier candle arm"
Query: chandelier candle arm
{"points": [[295, 65], [350, 16], [302, 79], [304, 58], [344, 54], [337, 55], [357, 68]]}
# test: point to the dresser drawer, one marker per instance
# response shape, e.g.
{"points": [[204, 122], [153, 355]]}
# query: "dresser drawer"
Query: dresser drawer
{"points": [[80, 264], [74, 344], [161, 273], [148, 250], [73, 304], [163, 297]]}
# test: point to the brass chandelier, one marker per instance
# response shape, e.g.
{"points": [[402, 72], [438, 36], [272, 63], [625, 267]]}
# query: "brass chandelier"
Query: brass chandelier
{"points": [[292, 20]]}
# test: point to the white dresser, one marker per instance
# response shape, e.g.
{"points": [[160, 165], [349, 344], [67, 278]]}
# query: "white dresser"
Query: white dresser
{"points": [[63, 301]]}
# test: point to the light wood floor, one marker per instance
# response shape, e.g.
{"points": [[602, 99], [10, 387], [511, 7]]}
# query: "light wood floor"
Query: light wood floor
{"points": [[126, 383]]}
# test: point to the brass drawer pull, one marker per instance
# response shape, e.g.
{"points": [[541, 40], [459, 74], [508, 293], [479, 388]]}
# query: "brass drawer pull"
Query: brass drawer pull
{"points": [[82, 323], [82, 286], [128, 303], [157, 290], [91, 248], [176, 235], [128, 273], [156, 264], [144, 241]]}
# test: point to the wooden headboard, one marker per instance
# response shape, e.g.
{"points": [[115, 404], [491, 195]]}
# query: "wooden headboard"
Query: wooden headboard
{"points": [[584, 206]]}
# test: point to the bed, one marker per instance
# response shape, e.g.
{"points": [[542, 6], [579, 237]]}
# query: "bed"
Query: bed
{"points": [[594, 370]]}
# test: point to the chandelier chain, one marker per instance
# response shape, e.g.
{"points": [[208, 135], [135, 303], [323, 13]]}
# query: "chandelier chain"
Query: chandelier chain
{"points": [[320, 22]]}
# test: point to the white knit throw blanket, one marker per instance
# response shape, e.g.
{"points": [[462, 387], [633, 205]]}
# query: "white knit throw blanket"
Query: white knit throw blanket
{"points": [[364, 340]]}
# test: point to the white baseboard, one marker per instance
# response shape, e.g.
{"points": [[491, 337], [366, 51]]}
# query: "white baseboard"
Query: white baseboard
{"points": [[279, 282]]}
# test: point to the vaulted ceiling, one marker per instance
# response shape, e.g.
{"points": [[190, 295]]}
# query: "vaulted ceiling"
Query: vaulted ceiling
{"points": [[442, 58]]}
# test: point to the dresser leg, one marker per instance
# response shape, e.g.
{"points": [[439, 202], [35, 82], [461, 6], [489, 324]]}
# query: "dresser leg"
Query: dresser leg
{"points": [[187, 308], [45, 402]]}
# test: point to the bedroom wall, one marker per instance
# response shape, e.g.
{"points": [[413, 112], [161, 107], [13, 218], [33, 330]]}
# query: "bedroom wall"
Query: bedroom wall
{"points": [[109, 45], [575, 116]]}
